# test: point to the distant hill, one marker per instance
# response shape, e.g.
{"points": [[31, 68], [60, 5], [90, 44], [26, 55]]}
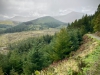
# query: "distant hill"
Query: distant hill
{"points": [[22, 19], [69, 17], [37, 24], [44, 20], [9, 22]]}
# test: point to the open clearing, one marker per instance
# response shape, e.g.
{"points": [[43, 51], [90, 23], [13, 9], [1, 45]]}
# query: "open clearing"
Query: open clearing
{"points": [[8, 38]]}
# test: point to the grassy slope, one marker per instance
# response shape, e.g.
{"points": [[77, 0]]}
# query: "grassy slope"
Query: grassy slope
{"points": [[81, 62], [7, 22]]}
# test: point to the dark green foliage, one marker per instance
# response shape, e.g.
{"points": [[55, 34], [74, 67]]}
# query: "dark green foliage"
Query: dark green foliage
{"points": [[23, 45], [96, 20], [16, 62], [4, 27], [83, 24], [52, 25], [36, 59], [17, 28], [34, 62], [97, 24], [28, 55], [47, 38], [87, 23], [28, 44], [4, 63], [65, 42]]}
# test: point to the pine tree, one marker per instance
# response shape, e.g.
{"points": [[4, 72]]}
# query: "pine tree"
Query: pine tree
{"points": [[97, 24], [61, 45], [95, 21]]}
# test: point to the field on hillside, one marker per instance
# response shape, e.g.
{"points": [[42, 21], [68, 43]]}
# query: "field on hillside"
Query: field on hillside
{"points": [[5, 39], [8, 22]]}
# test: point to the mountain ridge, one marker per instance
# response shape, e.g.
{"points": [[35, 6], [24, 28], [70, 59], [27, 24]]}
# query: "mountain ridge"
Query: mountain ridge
{"points": [[37, 24], [21, 18], [70, 17], [9, 22]]}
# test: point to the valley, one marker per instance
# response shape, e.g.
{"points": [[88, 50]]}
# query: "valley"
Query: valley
{"points": [[49, 45]]}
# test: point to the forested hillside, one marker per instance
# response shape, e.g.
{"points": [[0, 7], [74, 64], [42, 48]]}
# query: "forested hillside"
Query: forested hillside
{"points": [[37, 24], [27, 56]]}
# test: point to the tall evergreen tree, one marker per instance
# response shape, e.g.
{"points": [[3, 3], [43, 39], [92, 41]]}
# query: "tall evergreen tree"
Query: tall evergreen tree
{"points": [[97, 24]]}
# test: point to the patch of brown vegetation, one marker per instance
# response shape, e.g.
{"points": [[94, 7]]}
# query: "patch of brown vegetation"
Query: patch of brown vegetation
{"points": [[83, 46], [87, 46], [97, 34]]}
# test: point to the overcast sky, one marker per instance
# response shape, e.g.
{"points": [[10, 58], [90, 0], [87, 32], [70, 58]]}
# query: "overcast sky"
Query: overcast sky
{"points": [[34, 8]]}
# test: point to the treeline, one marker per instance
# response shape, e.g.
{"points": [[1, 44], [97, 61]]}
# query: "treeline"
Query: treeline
{"points": [[37, 24], [88, 23], [5, 26], [33, 54], [27, 27]]}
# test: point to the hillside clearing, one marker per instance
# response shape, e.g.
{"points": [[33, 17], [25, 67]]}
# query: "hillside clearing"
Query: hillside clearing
{"points": [[9, 38]]}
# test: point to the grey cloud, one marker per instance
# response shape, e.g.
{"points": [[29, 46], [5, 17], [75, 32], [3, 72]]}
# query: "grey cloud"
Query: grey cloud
{"points": [[46, 7]]}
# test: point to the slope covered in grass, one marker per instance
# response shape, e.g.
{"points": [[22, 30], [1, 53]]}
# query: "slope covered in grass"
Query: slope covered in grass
{"points": [[82, 62], [8, 22]]}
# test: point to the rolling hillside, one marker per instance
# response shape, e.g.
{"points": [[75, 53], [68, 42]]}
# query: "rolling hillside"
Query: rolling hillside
{"points": [[8, 22], [37, 24], [46, 19], [82, 62]]}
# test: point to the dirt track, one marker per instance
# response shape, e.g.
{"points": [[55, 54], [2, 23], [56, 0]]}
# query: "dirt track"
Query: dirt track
{"points": [[94, 36]]}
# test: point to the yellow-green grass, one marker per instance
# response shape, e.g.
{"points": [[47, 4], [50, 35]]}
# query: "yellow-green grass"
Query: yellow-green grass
{"points": [[7, 22]]}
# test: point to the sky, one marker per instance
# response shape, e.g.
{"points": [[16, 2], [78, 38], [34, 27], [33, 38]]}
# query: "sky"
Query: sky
{"points": [[37, 8]]}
